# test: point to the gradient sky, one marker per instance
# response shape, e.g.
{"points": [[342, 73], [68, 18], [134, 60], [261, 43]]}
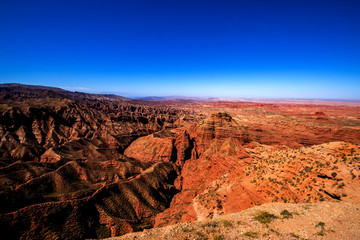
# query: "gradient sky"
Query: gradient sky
{"points": [[289, 48]]}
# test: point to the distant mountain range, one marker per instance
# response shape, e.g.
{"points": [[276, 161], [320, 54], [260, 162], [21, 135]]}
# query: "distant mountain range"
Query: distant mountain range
{"points": [[23, 92], [264, 100], [36, 91]]}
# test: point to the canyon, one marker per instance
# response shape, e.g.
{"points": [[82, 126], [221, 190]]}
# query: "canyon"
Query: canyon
{"points": [[83, 166]]}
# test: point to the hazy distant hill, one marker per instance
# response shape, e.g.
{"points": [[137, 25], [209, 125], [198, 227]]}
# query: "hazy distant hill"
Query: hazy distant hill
{"points": [[19, 92]]}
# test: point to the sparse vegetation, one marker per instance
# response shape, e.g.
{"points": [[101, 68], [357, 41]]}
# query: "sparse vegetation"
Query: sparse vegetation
{"points": [[210, 224], [251, 234], [201, 236], [265, 217], [307, 169], [226, 223], [274, 231], [294, 235], [186, 229], [218, 237], [322, 226], [286, 214]]}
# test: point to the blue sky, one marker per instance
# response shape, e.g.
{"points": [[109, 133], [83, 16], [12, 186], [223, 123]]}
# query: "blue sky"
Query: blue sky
{"points": [[290, 49]]}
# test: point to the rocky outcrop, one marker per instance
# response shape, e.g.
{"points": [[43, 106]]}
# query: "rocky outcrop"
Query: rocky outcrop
{"points": [[219, 133], [165, 146]]}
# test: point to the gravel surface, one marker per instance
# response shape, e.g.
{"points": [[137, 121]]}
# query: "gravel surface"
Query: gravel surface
{"points": [[324, 220]]}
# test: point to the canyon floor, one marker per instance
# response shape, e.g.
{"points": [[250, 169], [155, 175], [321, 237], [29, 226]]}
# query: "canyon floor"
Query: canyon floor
{"points": [[87, 166]]}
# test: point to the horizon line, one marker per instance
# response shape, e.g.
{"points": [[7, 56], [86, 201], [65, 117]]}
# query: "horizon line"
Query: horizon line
{"points": [[181, 97]]}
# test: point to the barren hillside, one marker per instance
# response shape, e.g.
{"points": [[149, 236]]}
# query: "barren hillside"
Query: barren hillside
{"points": [[283, 221]]}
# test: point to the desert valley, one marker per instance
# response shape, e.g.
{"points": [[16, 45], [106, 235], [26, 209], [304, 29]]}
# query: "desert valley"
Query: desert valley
{"points": [[87, 166]]}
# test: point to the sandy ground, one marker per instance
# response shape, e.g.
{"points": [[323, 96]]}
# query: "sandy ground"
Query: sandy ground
{"points": [[324, 220]]}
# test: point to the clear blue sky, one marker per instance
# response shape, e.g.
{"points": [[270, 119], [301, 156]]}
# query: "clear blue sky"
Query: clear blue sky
{"points": [[289, 48]]}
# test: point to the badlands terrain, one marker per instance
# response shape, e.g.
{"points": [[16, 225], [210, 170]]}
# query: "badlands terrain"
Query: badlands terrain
{"points": [[87, 166]]}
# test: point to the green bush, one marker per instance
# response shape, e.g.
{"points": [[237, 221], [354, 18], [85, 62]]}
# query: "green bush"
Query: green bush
{"points": [[286, 214], [320, 224], [226, 223], [265, 217], [251, 234]]}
